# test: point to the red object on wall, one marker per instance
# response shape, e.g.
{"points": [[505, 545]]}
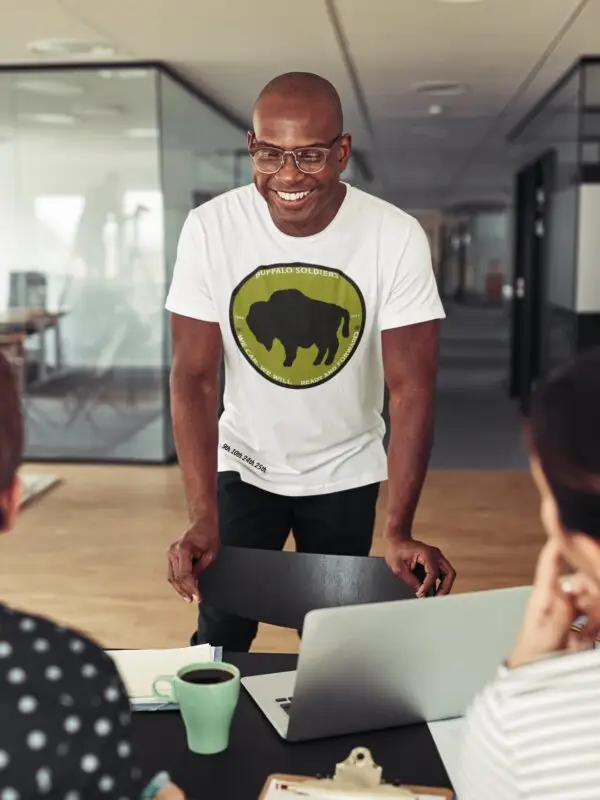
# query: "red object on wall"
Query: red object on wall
{"points": [[493, 286]]}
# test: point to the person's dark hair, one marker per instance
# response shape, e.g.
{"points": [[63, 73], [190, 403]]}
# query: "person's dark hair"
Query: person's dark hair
{"points": [[11, 425], [564, 433]]}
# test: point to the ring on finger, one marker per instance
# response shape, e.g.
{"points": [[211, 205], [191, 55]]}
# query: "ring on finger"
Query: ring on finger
{"points": [[566, 584]]}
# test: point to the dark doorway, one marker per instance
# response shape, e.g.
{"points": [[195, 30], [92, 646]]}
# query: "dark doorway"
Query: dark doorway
{"points": [[533, 192], [463, 236]]}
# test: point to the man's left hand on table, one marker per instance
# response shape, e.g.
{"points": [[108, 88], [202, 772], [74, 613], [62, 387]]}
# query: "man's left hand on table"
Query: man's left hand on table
{"points": [[403, 555]]}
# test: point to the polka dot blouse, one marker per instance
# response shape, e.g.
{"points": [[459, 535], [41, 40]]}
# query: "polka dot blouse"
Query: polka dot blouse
{"points": [[64, 716]]}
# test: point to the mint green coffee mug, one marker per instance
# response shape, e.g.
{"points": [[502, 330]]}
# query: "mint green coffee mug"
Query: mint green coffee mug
{"points": [[207, 695]]}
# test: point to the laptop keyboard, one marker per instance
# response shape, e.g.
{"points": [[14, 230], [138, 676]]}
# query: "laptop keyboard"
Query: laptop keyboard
{"points": [[284, 703]]}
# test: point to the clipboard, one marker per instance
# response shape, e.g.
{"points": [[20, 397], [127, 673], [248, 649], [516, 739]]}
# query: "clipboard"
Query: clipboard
{"points": [[272, 791], [356, 778]]}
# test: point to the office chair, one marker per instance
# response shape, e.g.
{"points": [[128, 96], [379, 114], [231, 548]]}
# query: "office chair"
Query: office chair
{"points": [[280, 588]]}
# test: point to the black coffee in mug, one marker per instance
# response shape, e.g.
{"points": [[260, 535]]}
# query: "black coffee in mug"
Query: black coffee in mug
{"points": [[206, 676]]}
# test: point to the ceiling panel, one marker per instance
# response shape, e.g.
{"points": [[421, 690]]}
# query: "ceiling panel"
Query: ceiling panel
{"points": [[490, 47], [231, 50], [30, 20]]}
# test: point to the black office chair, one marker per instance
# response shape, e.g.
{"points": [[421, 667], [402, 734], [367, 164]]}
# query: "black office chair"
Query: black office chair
{"points": [[280, 588]]}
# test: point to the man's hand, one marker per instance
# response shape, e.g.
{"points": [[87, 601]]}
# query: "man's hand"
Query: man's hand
{"points": [[402, 557], [553, 607], [190, 555]]}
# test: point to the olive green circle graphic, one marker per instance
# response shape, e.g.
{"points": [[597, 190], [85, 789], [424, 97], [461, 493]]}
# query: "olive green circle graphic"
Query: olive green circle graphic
{"points": [[297, 324]]}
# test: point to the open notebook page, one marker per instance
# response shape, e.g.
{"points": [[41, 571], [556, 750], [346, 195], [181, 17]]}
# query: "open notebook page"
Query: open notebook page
{"points": [[139, 668]]}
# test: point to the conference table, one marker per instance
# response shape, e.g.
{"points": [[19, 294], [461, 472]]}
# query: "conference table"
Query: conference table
{"points": [[407, 754]]}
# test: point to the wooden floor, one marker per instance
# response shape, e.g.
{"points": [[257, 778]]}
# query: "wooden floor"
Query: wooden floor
{"points": [[92, 552]]}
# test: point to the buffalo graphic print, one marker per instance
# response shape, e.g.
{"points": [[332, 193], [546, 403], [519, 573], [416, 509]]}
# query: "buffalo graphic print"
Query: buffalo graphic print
{"points": [[299, 321], [297, 324]]}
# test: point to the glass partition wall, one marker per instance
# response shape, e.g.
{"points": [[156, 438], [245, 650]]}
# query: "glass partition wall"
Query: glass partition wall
{"points": [[565, 126], [99, 167]]}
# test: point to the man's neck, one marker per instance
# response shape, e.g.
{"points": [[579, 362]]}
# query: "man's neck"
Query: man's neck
{"points": [[314, 226]]}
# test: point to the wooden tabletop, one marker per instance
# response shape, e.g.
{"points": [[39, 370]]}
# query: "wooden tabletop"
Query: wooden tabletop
{"points": [[11, 339], [29, 316]]}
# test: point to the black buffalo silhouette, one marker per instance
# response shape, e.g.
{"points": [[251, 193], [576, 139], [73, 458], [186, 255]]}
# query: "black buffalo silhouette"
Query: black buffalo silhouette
{"points": [[298, 321]]}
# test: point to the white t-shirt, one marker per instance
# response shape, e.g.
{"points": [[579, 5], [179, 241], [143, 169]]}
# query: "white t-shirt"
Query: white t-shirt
{"points": [[301, 320]]}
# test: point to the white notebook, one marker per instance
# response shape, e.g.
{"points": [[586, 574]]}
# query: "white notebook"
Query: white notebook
{"points": [[139, 668]]}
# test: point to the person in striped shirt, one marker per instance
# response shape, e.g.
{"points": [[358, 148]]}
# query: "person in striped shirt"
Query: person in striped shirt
{"points": [[534, 732]]}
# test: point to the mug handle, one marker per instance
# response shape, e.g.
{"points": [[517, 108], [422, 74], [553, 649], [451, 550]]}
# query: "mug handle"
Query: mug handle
{"points": [[156, 691]]}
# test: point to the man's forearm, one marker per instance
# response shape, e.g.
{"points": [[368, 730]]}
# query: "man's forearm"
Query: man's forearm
{"points": [[411, 436], [194, 411]]}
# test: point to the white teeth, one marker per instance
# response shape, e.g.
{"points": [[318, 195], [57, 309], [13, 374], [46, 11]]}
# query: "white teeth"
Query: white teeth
{"points": [[292, 195]]}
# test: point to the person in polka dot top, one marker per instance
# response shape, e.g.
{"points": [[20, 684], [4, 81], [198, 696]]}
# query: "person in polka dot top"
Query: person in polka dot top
{"points": [[64, 713]]}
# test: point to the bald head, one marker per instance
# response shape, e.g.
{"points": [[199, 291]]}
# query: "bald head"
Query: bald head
{"points": [[301, 94], [297, 122]]}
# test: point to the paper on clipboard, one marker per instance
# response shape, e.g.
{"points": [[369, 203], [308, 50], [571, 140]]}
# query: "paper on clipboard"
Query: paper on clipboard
{"points": [[281, 789]]}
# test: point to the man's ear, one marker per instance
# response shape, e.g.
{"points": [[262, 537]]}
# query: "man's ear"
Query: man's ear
{"points": [[345, 150], [10, 500]]}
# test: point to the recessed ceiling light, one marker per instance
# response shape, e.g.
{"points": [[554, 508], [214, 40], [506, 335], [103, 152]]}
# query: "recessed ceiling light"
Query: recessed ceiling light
{"points": [[99, 111], [72, 47], [435, 110], [49, 119], [123, 74], [54, 88], [440, 88], [142, 133]]}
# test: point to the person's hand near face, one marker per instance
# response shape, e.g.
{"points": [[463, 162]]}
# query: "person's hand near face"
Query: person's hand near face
{"points": [[555, 603]]}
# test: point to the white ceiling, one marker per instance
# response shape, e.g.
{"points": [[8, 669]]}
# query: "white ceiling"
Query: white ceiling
{"points": [[508, 51]]}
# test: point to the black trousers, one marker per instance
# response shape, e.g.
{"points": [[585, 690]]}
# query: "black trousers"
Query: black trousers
{"points": [[333, 524]]}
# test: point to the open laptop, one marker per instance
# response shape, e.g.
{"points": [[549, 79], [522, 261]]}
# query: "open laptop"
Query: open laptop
{"points": [[382, 665]]}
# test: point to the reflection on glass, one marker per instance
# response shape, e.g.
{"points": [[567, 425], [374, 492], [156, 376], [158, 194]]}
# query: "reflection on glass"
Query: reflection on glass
{"points": [[200, 160], [95, 189]]}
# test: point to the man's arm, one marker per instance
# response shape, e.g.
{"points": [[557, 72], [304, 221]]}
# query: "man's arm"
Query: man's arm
{"points": [[197, 352], [410, 355], [410, 365]]}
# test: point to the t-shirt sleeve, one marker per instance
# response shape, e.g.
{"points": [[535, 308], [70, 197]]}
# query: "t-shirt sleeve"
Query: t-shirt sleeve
{"points": [[413, 295], [190, 294], [486, 764]]}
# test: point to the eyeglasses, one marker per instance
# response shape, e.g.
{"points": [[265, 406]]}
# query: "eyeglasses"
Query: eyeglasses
{"points": [[310, 160]]}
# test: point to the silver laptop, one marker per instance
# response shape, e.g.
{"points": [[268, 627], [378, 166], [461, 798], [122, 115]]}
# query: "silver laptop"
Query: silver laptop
{"points": [[376, 666]]}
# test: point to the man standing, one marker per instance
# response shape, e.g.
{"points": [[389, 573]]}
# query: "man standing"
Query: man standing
{"points": [[316, 292]]}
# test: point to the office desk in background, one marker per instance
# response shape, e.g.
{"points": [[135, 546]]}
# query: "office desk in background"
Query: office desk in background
{"points": [[35, 321], [407, 754]]}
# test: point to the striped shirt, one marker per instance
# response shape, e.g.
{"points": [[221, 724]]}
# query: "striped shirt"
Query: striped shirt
{"points": [[534, 733]]}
